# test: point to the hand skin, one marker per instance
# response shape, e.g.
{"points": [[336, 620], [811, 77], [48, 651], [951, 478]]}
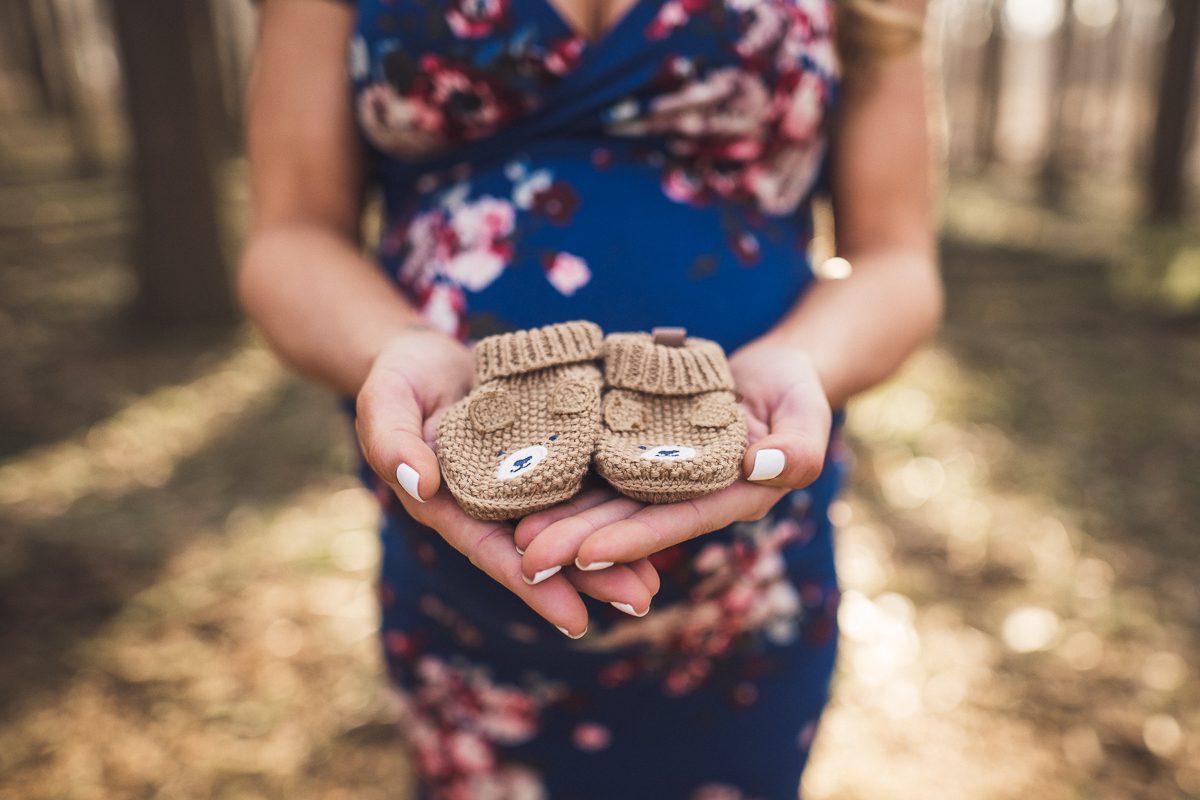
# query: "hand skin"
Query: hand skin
{"points": [[785, 408], [333, 315], [416, 377]]}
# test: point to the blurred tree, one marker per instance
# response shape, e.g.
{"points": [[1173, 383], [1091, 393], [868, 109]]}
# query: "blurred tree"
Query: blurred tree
{"points": [[180, 263], [991, 79], [1176, 101], [1054, 169]]}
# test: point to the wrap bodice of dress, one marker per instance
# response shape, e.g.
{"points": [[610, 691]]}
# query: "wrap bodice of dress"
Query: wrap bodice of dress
{"points": [[659, 175]]}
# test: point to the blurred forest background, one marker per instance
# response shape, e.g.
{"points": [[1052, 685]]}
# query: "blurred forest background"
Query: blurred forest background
{"points": [[186, 561]]}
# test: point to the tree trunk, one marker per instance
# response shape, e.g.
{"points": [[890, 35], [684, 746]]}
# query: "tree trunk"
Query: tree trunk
{"points": [[1176, 99], [990, 85], [1053, 178], [180, 263]]}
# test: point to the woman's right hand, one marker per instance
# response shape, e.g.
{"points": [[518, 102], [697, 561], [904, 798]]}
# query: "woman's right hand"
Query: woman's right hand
{"points": [[415, 378]]}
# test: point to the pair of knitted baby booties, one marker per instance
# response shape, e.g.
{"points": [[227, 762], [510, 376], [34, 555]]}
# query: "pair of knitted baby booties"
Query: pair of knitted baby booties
{"points": [[668, 427]]}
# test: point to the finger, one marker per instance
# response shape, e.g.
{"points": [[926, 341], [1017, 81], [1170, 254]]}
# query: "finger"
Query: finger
{"points": [[532, 525], [648, 574], [558, 544], [619, 586], [388, 421], [792, 454], [658, 527], [488, 545]]}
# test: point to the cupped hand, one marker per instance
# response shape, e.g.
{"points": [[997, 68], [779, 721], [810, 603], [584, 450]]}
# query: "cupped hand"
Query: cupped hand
{"points": [[788, 421], [412, 382]]}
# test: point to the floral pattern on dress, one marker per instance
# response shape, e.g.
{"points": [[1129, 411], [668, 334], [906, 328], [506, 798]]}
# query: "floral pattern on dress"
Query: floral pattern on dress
{"points": [[463, 243], [739, 594], [751, 133], [455, 717], [416, 104]]}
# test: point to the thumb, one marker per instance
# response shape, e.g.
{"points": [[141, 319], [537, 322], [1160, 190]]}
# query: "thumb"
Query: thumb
{"points": [[389, 423], [792, 454]]}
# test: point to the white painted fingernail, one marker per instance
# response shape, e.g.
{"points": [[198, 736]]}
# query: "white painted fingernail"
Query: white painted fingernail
{"points": [[768, 464], [541, 576], [409, 478], [628, 609], [517, 547], [595, 565], [567, 633]]}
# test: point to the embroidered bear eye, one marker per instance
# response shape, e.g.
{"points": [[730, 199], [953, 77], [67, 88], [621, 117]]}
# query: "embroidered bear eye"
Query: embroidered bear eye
{"points": [[553, 436]]}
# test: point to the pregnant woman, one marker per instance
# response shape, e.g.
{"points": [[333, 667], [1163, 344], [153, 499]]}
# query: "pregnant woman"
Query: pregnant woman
{"points": [[636, 163]]}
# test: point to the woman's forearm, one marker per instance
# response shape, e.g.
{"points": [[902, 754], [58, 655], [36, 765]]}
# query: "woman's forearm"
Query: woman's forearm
{"points": [[326, 309], [858, 331]]}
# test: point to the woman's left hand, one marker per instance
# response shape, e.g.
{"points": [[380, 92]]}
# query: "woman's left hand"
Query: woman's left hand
{"points": [[788, 422]]}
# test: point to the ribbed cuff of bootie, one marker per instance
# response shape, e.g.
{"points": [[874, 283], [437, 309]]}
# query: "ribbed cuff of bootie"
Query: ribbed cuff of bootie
{"points": [[524, 351], [633, 361]]}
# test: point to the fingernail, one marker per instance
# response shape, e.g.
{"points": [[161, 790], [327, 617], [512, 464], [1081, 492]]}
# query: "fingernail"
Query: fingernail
{"points": [[628, 609], [541, 576], [409, 478], [567, 633], [768, 464], [595, 565], [517, 547]]}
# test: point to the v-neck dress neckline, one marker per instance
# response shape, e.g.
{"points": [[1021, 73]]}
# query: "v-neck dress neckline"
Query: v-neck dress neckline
{"points": [[611, 32]]}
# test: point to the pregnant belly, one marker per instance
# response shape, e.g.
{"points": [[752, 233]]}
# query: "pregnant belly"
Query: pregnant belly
{"points": [[572, 230]]}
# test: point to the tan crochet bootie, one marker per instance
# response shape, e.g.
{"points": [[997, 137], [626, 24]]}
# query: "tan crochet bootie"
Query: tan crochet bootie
{"points": [[673, 428], [523, 438]]}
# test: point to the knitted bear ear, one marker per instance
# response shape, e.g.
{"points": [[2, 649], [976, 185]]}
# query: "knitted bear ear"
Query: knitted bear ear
{"points": [[622, 412], [571, 397], [714, 410], [492, 411]]}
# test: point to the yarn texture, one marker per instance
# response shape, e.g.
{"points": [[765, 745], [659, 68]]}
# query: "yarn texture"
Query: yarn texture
{"points": [[672, 426], [523, 439]]}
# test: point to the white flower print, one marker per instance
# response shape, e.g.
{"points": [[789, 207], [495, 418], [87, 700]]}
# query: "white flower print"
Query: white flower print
{"points": [[568, 273]]}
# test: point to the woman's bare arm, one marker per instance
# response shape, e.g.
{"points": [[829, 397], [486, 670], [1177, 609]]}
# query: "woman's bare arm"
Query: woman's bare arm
{"points": [[326, 309], [858, 331]]}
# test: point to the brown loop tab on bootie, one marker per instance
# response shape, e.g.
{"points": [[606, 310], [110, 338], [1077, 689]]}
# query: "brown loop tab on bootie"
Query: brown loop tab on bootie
{"points": [[669, 337]]}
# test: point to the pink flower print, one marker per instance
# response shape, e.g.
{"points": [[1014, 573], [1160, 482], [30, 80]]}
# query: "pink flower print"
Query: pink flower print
{"points": [[781, 182], [567, 273], [718, 791], [591, 736], [456, 716], [469, 752], [673, 14], [472, 104], [563, 54], [474, 19], [728, 102], [745, 247], [406, 127], [475, 269], [443, 307], [764, 24], [800, 103]]}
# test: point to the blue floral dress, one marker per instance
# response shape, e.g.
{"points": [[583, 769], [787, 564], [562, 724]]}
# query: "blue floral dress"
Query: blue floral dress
{"points": [[660, 175]]}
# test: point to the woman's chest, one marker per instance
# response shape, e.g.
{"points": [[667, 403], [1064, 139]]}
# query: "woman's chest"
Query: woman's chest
{"points": [[745, 74]]}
